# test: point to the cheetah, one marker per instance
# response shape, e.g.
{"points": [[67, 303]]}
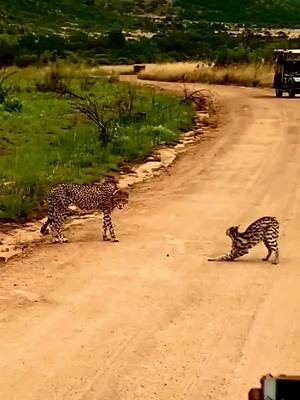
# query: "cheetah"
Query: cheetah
{"points": [[104, 197]]}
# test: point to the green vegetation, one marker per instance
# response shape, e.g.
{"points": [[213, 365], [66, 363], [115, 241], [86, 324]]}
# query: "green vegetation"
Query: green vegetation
{"points": [[127, 13], [128, 31], [259, 12], [59, 126], [49, 140]]}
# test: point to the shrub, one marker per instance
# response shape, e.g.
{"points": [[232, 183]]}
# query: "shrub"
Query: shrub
{"points": [[87, 83], [12, 104], [25, 60], [52, 82]]}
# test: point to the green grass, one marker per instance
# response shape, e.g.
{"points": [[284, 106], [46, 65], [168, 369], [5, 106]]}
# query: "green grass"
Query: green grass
{"points": [[49, 142]]}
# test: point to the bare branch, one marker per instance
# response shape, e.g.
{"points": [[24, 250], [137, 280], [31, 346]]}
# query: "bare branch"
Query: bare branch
{"points": [[95, 113]]}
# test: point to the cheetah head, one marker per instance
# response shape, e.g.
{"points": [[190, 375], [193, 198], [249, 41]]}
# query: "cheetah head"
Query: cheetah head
{"points": [[232, 231], [110, 179], [120, 198]]}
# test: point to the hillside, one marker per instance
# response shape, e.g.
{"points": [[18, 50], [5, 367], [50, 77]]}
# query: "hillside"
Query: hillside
{"points": [[130, 31], [268, 12], [105, 14]]}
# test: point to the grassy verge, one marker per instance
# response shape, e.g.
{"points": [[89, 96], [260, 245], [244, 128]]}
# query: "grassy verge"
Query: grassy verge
{"points": [[70, 71], [49, 141], [245, 75]]}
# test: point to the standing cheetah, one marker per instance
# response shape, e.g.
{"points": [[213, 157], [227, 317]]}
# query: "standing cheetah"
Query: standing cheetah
{"points": [[103, 198]]}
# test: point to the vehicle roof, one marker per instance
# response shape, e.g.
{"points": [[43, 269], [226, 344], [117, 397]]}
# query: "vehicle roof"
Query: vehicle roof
{"points": [[288, 51], [285, 377]]}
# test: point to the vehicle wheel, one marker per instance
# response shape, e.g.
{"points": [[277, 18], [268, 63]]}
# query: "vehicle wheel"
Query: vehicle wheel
{"points": [[291, 93], [255, 394], [278, 93]]}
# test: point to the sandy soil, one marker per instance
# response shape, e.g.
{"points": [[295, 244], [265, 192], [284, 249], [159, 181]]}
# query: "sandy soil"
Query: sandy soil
{"points": [[149, 317]]}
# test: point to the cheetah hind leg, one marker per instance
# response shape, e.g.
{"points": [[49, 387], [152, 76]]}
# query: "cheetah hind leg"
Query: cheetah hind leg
{"points": [[269, 252], [62, 239], [276, 258], [271, 249]]}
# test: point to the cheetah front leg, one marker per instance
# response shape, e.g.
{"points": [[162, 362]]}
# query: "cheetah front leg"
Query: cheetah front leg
{"points": [[56, 228], [226, 257], [58, 237], [231, 256], [107, 224], [105, 237]]}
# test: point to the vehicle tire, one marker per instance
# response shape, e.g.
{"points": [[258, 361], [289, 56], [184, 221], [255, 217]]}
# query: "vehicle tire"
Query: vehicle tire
{"points": [[291, 93], [255, 394], [278, 92]]}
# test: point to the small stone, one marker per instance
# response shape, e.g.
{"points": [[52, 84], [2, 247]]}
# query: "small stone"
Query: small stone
{"points": [[190, 133]]}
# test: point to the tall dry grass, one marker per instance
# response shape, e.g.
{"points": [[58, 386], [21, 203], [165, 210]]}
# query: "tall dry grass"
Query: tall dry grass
{"points": [[245, 75], [172, 72], [72, 70]]}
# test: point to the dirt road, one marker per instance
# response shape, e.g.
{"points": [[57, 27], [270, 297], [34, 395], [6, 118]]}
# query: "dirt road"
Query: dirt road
{"points": [[149, 317]]}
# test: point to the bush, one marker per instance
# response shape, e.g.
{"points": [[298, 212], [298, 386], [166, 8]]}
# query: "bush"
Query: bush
{"points": [[113, 79], [25, 60], [52, 82], [87, 83], [12, 104], [3, 94]]}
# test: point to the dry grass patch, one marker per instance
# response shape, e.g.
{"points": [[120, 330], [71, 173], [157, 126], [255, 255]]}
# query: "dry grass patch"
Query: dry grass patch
{"points": [[72, 70], [172, 72], [245, 75]]}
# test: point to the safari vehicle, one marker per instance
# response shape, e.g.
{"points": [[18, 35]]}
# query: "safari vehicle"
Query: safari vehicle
{"points": [[280, 387], [287, 72]]}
